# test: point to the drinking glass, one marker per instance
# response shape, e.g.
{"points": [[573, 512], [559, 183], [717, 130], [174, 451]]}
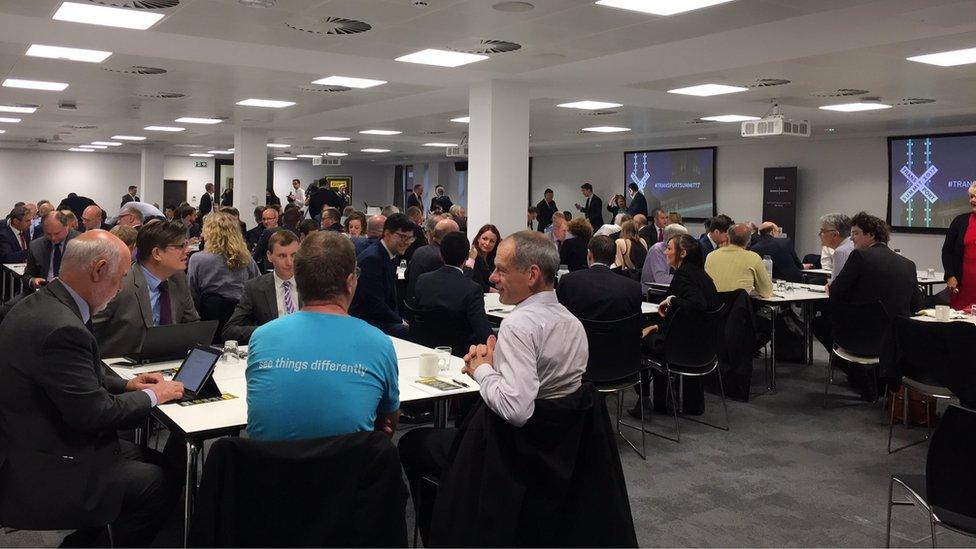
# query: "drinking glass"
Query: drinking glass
{"points": [[931, 273], [230, 349], [444, 356]]}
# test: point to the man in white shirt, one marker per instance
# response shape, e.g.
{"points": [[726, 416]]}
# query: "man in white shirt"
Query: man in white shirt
{"points": [[270, 295], [835, 234], [297, 195]]}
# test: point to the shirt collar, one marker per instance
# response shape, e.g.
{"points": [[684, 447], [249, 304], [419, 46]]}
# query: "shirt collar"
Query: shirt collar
{"points": [[391, 254], [150, 279], [714, 245], [459, 269], [548, 296], [15, 230], [278, 280], [83, 307], [600, 264]]}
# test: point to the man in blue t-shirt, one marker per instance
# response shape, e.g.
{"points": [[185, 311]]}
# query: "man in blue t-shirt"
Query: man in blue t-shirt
{"points": [[320, 372]]}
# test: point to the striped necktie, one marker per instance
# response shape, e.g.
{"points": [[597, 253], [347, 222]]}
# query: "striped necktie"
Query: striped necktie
{"points": [[289, 299]]}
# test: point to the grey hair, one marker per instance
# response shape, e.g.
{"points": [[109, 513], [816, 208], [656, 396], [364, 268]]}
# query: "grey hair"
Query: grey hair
{"points": [[134, 211], [81, 254], [672, 230], [837, 222], [533, 248], [455, 210], [390, 210], [739, 235]]}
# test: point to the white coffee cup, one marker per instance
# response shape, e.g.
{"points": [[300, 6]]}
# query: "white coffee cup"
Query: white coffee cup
{"points": [[431, 364], [942, 313]]}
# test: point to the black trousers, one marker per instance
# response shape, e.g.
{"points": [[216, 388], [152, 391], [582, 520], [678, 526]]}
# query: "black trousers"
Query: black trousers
{"points": [[423, 453]]}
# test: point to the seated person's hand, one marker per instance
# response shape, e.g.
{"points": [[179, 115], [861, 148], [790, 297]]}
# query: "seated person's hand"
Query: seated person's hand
{"points": [[167, 391], [652, 329], [482, 354], [662, 307], [143, 381], [808, 265], [37, 282]]}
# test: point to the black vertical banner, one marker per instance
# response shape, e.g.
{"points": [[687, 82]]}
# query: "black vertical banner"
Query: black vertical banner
{"points": [[779, 198]]}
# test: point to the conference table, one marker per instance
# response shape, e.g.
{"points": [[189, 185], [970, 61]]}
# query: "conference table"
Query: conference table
{"points": [[925, 281], [786, 294], [498, 312], [199, 422], [11, 279]]}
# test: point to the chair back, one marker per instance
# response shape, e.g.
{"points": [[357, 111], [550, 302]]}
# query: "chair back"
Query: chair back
{"points": [[936, 353], [693, 339], [219, 308], [437, 327], [949, 479], [859, 328], [614, 347], [812, 259]]}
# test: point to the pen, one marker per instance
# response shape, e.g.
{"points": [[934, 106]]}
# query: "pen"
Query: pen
{"points": [[461, 383]]}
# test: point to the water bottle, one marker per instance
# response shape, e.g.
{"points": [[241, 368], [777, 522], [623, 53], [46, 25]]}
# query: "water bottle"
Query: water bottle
{"points": [[768, 263]]}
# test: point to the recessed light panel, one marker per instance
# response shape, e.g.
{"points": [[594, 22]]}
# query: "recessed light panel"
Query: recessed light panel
{"points": [[660, 7], [606, 129], [80, 150], [589, 105], [278, 145], [336, 154], [462, 119], [267, 103], [730, 118], [70, 54], [856, 107], [220, 152], [18, 109], [374, 150], [106, 16], [201, 155], [381, 132], [171, 129], [193, 120], [92, 147], [9, 120], [107, 143], [285, 158], [440, 144], [947, 58], [309, 156], [708, 90], [330, 138], [128, 138], [442, 58], [3, 131], [349, 82], [34, 84]]}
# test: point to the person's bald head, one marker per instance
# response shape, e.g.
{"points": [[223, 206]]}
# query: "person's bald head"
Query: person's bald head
{"points": [[769, 227], [94, 265], [374, 225], [55, 226], [92, 218], [640, 220], [443, 228], [739, 235]]}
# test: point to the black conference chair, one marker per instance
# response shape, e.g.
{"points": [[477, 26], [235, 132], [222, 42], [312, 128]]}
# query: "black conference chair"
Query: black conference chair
{"points": [[945, 491], [859, 329], [439, 327], [812, 259], [615, 364], [217, 307]]}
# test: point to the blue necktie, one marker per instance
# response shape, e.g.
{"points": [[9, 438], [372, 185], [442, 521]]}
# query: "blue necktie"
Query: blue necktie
{"points": [[56, 264]]}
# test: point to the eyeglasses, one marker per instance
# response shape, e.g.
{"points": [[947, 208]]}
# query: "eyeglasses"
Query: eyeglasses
{"points": [[184, 244], [406, 237], [356, 272], [823, 231]]}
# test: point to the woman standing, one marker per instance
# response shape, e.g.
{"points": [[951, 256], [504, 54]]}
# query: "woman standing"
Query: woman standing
{"points": [[959, 257], [618, 204], [224, 265], [482, 258]]}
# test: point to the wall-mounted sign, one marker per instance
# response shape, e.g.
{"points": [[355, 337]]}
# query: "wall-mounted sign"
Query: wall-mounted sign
{"points": [[200, 164]]}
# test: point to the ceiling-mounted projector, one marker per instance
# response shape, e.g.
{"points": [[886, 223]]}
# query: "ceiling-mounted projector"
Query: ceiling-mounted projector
{"points": [[776, 125]]}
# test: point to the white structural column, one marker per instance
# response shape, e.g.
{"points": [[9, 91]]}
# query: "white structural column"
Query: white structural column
{"points": [[498, 157], [250, 170], [151, 175]]}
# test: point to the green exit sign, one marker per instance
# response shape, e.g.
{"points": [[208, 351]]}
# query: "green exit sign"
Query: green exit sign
{"points": [[200, 164]]}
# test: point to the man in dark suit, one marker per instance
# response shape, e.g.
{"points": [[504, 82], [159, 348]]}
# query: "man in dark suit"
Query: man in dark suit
{"points": [[207, 200], [376, 300], [45, 254], [62, 465], [330, 220], [252, 236], [93, 218], [597, 293], [76, 204], [717, 235], [449, 289], [268, 226], [428, 258], [15, 237], [154, 292], [546, 207], [786, 265], [592, 207], [324, 196], [440, 200], [415, 199], [266, 297], [129, 196], [374, 230], [416, 216], [638, 203], [653, 232]]}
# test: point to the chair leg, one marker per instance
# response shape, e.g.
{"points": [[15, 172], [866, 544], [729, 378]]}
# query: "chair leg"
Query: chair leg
{"points": [[932, 526], [111, 536], [674, 406], [721, 390], [891, 487], [829, 377], [904, 405], [891, 428]]}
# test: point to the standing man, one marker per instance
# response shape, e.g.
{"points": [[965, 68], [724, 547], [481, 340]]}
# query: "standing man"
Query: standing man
{"points": [[414, 199], [440, 200], [376, 300], [45, 254], [15, 237], [592, 207], [638, 204], [207, 200], [91, 218], [546, 207], [76, 204], [130, 196], [297, 194]]}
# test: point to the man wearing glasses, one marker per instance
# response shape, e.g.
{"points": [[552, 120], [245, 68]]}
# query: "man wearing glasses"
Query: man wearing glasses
{"points": [[376, 297], [154, 292]]}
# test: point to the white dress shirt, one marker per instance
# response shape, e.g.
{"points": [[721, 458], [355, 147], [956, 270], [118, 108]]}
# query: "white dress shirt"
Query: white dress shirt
{"points": [[299, 196], [280, 294], [541, 353]]}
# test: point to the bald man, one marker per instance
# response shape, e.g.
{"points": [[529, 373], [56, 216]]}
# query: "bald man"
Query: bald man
{"points": [[62, 465], [770, 242], [91, 218], [428, 258], [374, 230]]}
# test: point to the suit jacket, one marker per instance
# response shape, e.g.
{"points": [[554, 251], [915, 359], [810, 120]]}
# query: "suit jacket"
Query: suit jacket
{"points": [[39, 257], [412, 200], [258, 306], [691, 287], [706, 245], [363, 242], [11, 250], [595, 212], [572, 253], [786, 266], [448, 288], [425, 260], [648, 233], [126, 198], [121, 327], [952, 248], [597, 293], [206, 205], [260, 253], [375, 299], [324, 196], [443, 201], [638, 205], [59, 414], [878, 274], [544, 217], [420, 240], [77, 205], [252, 236]]}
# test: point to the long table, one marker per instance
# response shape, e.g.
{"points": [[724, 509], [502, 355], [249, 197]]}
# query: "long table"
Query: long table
{"points": [[11, 279], [802, 294], [200, 422], [928, 283], [497, 311]]}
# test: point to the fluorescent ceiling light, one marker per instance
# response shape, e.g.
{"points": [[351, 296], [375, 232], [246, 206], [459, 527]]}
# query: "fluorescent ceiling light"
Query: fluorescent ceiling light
{"points": [[435, 144], [201, 155], [309, 156], [947, 58], [708, 90], [462, 119], [442, 58], [330, 138], [128, 137], [192, 120], [285, 158], [34, 84], [269, 103], [730, 118], [606, 129], [856, 107], [3, 131], [336, 154], [660, 7], [80, 150], [172, 129], [109, 17], [381, 132], [107, 143], [92, 147], [278, 145], [589, 105], [70, 54], [374, 150], [220, 152], [349, 82], [9, 120], [18, 109]]}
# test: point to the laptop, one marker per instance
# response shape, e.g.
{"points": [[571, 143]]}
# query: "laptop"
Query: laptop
{"points": [[196, 373], [170, 342]]}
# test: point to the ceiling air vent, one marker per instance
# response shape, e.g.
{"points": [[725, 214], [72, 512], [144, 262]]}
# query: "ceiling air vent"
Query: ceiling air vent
{"points": [[328, 25], [768, 83], [700, 121], [432, 132], [914, 101], [596, 113], [487, 47], [137, 70], [80, 126], [324, 89], [139, 4], [842, 92], [161, 95]]}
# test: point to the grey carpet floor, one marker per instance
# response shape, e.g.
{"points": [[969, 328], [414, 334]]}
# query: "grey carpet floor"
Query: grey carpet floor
{"points": [[788, 474]]}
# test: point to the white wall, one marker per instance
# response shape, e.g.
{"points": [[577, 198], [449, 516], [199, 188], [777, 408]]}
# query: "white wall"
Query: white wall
{"points": [[838, 175], [371, 182], [182, 168]]}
